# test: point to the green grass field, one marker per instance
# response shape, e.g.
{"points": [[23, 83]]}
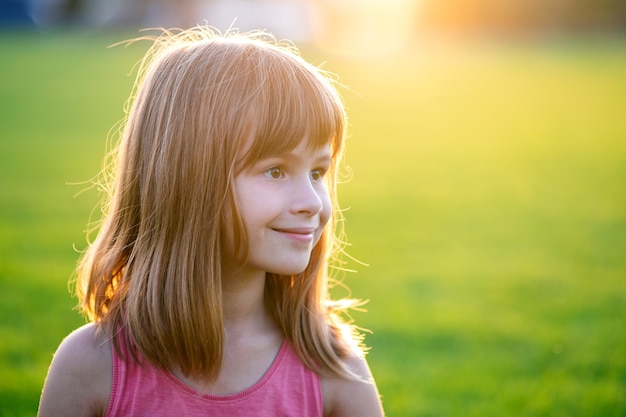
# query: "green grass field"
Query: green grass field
{"points": [[488, 198]]}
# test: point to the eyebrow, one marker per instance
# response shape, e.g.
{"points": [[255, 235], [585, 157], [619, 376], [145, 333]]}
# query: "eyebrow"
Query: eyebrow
{"points": [[324, 156]]}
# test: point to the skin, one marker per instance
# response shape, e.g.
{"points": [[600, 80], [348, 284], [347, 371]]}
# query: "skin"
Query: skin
{"points": [[285, 205]]}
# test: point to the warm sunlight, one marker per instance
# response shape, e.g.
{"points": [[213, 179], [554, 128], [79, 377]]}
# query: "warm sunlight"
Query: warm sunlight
{"points": [[363, 27]]}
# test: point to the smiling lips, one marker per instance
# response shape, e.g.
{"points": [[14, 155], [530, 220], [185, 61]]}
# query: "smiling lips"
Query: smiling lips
{"points": [[302, 234]]}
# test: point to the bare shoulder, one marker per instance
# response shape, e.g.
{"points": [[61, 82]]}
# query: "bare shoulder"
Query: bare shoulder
{"points": [[347, 397], [79, 378]]}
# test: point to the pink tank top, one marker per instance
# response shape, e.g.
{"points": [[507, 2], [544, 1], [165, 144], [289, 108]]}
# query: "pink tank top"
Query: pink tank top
{"points": [[288, 388]]}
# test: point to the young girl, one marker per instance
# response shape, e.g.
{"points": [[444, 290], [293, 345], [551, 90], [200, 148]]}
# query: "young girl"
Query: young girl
{"points": [[207, 283]]}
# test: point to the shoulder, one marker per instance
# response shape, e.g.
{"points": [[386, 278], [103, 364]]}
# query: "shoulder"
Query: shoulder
{"points": [[351, 397], [79, 378]]}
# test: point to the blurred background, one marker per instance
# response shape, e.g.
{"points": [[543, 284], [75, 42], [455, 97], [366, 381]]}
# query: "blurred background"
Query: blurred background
{"points": [[344, 25], [485, 187]]}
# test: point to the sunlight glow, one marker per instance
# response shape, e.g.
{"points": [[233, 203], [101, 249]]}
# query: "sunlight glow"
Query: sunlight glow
{"points": [[363, 27]]}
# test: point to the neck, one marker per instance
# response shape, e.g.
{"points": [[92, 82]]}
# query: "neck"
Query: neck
{"points": [[244, 305]]}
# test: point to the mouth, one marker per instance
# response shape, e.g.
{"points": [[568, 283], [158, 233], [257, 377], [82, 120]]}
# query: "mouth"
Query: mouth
{"points": [[296, 230], [302, 234]]}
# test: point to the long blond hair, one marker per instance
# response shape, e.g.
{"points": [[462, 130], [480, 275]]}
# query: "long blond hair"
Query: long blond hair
{"points": [[154, 270]]}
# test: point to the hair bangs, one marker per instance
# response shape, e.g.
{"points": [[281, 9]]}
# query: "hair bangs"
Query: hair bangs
{"points": [[293, 104]]}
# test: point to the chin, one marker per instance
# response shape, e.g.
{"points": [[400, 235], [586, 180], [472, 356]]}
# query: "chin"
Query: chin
{"points": [[291, 269]]}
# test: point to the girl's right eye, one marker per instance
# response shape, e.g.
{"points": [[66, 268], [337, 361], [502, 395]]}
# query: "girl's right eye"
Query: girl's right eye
{"points": [[274, 173]]}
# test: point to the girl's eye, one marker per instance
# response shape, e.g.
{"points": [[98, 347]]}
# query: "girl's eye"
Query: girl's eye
{"points": [[317, 175], [274, 173]]}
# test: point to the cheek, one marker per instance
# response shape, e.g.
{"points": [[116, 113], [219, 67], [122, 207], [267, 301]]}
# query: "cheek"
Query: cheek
{"points": [[247, 197], [324, 215], [326, 208]]}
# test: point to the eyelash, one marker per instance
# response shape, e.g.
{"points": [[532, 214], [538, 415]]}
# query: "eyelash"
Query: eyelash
{"points": [[269, 173], [316, 175], [318, 172]]}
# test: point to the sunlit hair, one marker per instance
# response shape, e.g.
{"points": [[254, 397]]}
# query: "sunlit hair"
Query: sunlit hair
{"points": [[155, 268]]}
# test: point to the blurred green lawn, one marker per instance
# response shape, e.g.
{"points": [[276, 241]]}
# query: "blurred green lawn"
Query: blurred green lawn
{"points": [[488, 198]]}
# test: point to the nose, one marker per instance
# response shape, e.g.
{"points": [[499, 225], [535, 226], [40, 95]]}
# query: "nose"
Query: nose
{"points": [[306, 197]]}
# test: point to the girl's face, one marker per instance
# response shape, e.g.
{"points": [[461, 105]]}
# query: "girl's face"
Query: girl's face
{"points": [[285, 204]]}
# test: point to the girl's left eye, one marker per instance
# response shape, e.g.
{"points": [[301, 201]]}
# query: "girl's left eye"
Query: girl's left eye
{"points": [[317, 175], [274, 173]]}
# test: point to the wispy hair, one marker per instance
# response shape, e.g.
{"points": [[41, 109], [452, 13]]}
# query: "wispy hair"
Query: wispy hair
{"points": [[155, 267]]}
